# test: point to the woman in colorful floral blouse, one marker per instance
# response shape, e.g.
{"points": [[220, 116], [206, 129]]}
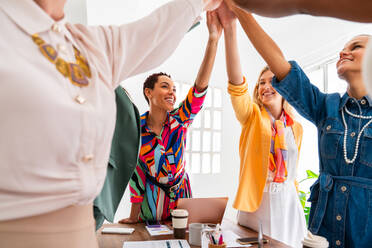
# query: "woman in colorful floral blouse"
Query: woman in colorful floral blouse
{"points": [[160, 178]]}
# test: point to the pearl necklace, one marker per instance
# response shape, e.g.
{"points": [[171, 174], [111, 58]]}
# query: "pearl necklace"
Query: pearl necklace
{"points": [[348, 161]]}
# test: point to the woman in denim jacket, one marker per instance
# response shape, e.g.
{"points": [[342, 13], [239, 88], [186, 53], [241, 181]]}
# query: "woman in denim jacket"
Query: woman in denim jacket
{"points": [[341, 198]]}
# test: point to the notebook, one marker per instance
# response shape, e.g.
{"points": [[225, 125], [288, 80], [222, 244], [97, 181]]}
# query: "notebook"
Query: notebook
{"points": [[161, 230], [204, 210], [157, 244]]}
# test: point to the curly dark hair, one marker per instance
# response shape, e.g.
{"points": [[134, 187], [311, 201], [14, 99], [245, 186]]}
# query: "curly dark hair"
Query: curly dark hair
{"points": [[150, 82]]}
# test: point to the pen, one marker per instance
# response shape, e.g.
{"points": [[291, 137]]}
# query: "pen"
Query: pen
{"points": [[168, 244], [180, 243], [210, 238], [260, 241], [214, 241]]}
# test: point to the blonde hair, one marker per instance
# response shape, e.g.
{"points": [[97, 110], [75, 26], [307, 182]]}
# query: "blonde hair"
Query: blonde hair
{"points": [[256, 96]]}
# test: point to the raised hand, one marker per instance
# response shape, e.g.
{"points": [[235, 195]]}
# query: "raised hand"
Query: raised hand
{"points": [[210, 5], [226, 16], [214, 25]]}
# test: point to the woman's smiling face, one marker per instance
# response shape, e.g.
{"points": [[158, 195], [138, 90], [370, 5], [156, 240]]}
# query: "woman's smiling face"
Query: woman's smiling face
{"points": [[351, 57], [266, 93], [163, 95]]}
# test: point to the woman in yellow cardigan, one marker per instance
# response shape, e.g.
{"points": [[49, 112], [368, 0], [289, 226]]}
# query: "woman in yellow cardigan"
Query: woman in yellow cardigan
{"points": [[269, 147]]}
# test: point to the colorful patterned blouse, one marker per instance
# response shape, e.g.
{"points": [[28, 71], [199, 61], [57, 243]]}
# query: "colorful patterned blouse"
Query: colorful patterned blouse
{"points": [[161, 157]]}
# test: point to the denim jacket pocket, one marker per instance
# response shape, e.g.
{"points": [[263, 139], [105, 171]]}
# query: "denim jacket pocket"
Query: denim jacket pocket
{"points": [[366, 147], [331, 133]]}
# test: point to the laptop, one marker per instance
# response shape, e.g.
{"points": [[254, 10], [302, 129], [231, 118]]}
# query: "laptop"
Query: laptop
{"points": [[204, 210]]}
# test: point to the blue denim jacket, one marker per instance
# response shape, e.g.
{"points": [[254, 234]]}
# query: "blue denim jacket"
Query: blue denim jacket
{"points": [[341, 199]]}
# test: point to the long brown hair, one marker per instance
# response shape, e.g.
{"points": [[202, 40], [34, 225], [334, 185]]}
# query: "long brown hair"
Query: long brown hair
{"points": [[256, 96]]}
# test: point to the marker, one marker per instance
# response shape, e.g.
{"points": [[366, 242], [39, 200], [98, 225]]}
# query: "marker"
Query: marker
{"points": [[220, 241]]}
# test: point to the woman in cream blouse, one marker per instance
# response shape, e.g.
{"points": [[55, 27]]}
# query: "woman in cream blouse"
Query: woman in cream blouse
{"points": [[57, 105]]}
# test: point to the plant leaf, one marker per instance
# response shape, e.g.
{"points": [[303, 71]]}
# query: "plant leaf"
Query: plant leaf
{"points": [[302, 196], [311, 174]]}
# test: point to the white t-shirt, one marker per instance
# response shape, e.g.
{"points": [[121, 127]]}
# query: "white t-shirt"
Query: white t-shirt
{"points": [[367, 68]]}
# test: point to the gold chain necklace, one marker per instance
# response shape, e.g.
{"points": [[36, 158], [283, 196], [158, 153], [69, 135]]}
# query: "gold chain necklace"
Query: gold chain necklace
{"points": [[77, 72]]}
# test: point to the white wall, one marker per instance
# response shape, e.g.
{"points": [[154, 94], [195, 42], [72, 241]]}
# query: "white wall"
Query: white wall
{"points": [[306, 39], [76, 11]]}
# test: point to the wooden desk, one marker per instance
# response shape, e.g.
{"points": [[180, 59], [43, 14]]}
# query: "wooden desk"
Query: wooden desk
{"points": [[140, 234]]}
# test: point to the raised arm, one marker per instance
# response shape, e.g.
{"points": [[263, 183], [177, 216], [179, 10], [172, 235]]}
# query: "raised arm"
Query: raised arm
{"points": [[353, 10], [193, 102], [264, 45], [290, 81], [205, 70], [233, 66], [129, 49], [237, 88]]}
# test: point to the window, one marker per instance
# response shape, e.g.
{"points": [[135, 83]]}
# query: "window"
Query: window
{"points": [[203, 148], [325, 77]]}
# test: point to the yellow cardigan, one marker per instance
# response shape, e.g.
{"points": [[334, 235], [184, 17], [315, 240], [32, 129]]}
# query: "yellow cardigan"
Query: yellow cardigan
{"points": [[254, 147]]}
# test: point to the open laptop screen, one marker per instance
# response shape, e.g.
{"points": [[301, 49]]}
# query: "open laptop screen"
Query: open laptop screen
{"points": [[204, 210]]}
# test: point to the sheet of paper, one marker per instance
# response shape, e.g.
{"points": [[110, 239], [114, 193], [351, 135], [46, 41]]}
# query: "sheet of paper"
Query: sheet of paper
{"points": [[156, 231], [174, 243], [229, 237]]}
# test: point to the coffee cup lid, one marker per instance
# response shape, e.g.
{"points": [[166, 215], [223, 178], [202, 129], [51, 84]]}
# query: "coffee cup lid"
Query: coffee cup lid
{"points": [[180, 213]]}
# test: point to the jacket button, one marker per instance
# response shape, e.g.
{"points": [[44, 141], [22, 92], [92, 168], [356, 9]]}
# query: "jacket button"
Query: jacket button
{"points": [[363, 101], [329, 127], [352, 134], [343, 188], [338, 217], [338, 242]]}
